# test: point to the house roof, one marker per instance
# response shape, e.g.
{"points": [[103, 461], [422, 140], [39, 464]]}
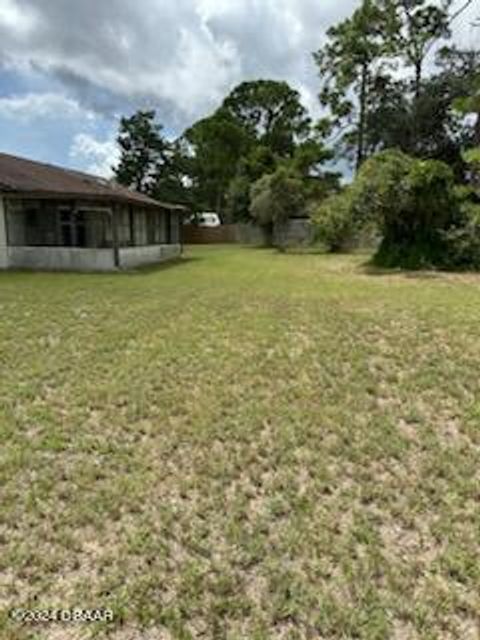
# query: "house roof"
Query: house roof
{"points": [[35, 179]]}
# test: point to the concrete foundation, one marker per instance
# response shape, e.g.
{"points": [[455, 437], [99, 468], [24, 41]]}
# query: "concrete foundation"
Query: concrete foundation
{"points": [[3, 237], [131, 257], [60, 259], [76, 259]]}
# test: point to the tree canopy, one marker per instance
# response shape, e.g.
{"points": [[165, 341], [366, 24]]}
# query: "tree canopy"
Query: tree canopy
{"points": [[271, 112]]}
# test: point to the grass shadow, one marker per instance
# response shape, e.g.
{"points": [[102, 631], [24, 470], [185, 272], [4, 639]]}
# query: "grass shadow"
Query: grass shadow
{"points": [[162, 266], [370, 269]]}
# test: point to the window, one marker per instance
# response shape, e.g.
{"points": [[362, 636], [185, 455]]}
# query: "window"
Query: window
{"points": [[168, 238], [150, 228], [32, 223], [73, 231], [80, 229], [131, 224]]}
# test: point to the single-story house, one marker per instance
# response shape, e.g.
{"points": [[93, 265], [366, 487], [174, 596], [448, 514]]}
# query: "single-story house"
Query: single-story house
{"points": [[54, 218]]}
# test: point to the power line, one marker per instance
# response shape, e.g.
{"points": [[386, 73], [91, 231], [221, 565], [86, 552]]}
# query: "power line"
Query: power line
{"points": [[459, 12]]}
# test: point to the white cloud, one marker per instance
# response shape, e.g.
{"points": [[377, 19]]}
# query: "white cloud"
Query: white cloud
{"points": [[180, 57], [21, 20], [32, 106], [98, 156]]}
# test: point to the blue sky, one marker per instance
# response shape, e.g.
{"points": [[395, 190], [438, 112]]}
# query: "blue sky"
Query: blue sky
{"points": [[68, 70]]}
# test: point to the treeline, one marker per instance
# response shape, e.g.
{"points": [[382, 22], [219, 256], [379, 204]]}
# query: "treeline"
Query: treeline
{"points": [[389, 78], [260, 130]]}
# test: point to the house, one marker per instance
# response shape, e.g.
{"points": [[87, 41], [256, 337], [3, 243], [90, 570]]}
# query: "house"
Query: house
{"points": [[53, 218]]}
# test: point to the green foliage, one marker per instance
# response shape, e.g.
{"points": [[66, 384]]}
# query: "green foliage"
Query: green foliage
{"points": [[426, 126], [143, 151], [423, 219], [414, 203], [309, 156], [215, 145], [271, 113], [472, 157], [276, 197], [348, 66], [237, 202], [417, 24], [462, 239], [334, 222]]}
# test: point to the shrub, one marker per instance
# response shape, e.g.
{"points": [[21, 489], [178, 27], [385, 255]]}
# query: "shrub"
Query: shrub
{"points": [[333, 221], [423, 220], [462, 238], [414, 203], [275, 198], [238, 200]]}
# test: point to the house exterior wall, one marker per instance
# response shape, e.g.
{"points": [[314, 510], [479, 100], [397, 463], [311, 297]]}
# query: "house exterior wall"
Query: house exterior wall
{"points": [[175, 228], [27, 245], [60, 259], [3, 237], [132, 257]]}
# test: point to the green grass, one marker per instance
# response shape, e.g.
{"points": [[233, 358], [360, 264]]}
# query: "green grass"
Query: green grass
{"points": [[246, 445]]}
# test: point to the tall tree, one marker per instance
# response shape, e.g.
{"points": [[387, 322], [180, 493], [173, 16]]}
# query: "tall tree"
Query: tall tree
{"points": [[349, 65], [271, 112], [419, 24], [172, 181], [216, 145], [426, 126], [143, 151]]}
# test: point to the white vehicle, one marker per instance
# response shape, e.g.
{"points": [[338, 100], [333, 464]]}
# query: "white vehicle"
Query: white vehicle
{"points": [[208, 219]]}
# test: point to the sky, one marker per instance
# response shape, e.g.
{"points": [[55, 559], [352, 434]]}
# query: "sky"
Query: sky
{"points": [[69, 69]]}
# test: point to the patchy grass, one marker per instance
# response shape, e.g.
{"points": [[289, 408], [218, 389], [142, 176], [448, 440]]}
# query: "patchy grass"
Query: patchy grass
{"points": [[246, 445]]}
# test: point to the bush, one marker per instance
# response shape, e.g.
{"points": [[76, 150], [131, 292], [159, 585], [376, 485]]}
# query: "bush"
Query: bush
{"points": [[237, 203], [333, 222], [414, 203], [423, 220], [462, 238], [275, 198]]}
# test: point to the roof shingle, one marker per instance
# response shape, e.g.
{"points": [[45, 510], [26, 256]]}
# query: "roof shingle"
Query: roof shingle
{"points": [[19, 175]]}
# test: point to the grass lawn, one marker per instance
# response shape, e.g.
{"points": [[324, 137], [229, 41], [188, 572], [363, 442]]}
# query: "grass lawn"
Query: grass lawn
{"points": [[246, 445]]}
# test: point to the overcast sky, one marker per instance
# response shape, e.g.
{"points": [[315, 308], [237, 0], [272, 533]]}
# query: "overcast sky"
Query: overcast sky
{"points": [[69, 69]]}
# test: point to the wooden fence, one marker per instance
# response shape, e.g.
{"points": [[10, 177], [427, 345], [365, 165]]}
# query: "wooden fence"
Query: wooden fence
{"points": [[298, 231], [226, 234]]}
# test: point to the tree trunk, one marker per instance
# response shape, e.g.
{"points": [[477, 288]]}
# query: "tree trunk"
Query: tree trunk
{"points": [[362, 119], [416, 97], [267, 230], [418, 78]]}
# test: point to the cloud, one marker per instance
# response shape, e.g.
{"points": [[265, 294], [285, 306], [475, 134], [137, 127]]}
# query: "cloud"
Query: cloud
{"points": [[181, 57], [17, 19], [32, 106], [79, 62], [98, 156]]}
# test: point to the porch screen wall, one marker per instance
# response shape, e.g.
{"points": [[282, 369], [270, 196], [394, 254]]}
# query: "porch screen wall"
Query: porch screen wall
{"points": [[51, 224]]}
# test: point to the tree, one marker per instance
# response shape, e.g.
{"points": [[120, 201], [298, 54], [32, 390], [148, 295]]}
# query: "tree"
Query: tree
{"points": [[271, 112], [418, 24], [349, 66], [275, 198], [258, 162], [172, 182], [413, 202], [143, 151], [216, 145], [470, 105], [237, 199], [426, 127]]}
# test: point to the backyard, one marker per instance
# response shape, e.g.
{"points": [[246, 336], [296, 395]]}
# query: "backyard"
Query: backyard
{"points": [[244, 445]]}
